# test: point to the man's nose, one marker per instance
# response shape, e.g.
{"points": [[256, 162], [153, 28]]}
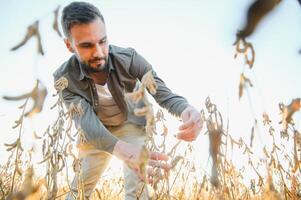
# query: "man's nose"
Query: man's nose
{"points": [[98, 51]]}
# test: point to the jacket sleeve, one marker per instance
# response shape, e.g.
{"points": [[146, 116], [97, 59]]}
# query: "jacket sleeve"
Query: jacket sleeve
{"points": [[175, 104], [94, 131]]}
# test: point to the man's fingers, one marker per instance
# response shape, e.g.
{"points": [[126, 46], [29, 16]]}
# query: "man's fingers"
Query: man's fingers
{"points": [[188, 138], [158, 164], [188, 134], [189, 128], [157, 156], [187, 124], [151, 171]]}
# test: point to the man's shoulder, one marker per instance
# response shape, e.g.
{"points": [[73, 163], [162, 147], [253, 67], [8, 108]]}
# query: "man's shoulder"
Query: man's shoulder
{"points": [[121, 52], [129, 59], [65, 68]]}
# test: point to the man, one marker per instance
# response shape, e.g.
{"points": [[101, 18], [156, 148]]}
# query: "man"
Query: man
{"points": [[98, 77]]}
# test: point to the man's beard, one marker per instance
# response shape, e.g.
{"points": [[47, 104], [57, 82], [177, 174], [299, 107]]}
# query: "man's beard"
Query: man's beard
{"points": [[99, 68]]}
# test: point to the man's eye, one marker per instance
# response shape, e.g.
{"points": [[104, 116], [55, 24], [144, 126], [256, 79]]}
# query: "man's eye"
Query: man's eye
{"points": [[86, 45]]}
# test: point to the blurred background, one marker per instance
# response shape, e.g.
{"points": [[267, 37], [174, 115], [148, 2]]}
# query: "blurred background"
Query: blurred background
{"points": [[190, 45]]}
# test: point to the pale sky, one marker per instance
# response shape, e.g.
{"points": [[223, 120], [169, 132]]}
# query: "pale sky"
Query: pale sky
{"points": [[189, 44]]}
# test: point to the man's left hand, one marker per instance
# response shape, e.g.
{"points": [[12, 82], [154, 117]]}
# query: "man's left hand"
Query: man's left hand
{"points": [[192, 124]]}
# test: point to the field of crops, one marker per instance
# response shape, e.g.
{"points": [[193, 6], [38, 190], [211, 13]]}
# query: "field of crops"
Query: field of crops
{"points": [[280, 178], [270, 157]]}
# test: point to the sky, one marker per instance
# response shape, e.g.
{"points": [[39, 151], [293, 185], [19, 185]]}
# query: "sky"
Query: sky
{"points": [[190, 46]]}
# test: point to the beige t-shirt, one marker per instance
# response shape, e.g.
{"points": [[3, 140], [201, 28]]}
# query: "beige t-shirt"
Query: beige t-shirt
{"points": [[109, 113]]}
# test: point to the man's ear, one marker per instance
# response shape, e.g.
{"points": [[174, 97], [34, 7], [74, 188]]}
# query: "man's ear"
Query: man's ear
{"points": [[68, 45]]}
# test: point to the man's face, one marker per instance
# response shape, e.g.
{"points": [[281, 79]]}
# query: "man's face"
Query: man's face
{"points": [[90, 45]]}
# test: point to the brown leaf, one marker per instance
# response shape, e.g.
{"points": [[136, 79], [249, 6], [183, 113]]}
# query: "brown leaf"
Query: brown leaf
{"points": [[245, 48], [32, 30], [38, 95], [149, 82], [265, 152], [175, 161], [288, 111], [243, 83], [215, 134], [160, 115], [252, 137], [75, 110], [256, 12], [266, 119], [165, 130], [35, 135], [137, 95], [55, 24], [12, 145], [61, 84], [141, 111]]}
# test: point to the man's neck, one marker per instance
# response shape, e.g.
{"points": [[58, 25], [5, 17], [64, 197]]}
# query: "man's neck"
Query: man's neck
{"points": [[99, 77]]}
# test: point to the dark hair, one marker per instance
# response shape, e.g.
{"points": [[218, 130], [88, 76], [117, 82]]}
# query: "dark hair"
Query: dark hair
{"points": [[78, 13]]}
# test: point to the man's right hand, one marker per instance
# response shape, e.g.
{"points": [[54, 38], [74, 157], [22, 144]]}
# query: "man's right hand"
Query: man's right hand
{"points": [[138, 158]]}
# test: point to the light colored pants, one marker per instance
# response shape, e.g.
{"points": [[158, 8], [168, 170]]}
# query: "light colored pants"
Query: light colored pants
{"points": [[94, 163]]}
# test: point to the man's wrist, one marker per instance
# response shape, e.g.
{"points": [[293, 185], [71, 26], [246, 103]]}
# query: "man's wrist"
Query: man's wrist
{"points": [[187, 106]]}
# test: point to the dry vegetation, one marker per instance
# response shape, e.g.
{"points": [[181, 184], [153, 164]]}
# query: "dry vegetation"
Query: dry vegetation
{"points": [[280, 180], [277, 169]]}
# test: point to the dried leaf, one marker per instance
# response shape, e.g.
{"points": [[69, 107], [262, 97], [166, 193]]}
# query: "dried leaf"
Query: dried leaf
{"points": [[160, 115], [55, 24], [149, 82], [19, 170], [137, 95], [252, 137], [18, 122], [141, 111], [32, 30], [12, 145], [36, 136], [38, 95], [165, 130], [288, 111], [175, 161], [266, 119], [61, 84], [256, 12], [265, 152], [75, 110], [215, 135], [245, 48], [61, 160], [243, 83]]}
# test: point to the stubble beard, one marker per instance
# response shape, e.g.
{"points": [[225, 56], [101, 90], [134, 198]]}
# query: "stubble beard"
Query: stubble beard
{"points": [[99, 68]]}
